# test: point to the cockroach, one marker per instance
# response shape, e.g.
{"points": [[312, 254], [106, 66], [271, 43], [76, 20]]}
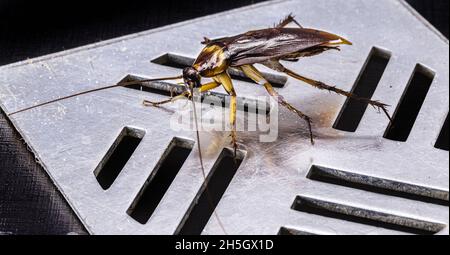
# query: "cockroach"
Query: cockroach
{"points": [[268, 47], [265, 46]]}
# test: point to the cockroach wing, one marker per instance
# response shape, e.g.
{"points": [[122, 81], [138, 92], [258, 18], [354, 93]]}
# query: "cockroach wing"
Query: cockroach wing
{"points": [[261, 45]]}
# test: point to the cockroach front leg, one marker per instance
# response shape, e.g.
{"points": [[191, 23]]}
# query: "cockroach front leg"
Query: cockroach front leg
{"points": [[186, 94], [225, 80], [233, 121], [257, 77]]}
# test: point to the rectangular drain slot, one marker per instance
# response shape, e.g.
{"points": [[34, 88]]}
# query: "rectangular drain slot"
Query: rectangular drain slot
{"points": [[364, 216], [366, 84], [174, 60], [378, 185], [117, 156], [410, 104], [161, 88], [156, 87], [180, 62], [210, 193], [442, 141], [160, 180], [293, 232], [164, 88]]}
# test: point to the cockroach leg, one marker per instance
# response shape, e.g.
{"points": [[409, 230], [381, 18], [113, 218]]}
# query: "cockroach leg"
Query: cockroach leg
{"points": [[186, 94], [173, 99], [225, 79], [172, 92], [233, 122], [257, 77], [209, 86], [206, 40], [288, 19], [284, 103], [323, 86]]}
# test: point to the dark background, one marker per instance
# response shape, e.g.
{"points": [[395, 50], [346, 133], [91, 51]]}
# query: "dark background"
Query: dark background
{"points": [[33, 28], [29, 202]]}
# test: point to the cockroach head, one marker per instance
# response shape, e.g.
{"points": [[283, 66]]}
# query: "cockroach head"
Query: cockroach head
{"points": [[191, 77]]}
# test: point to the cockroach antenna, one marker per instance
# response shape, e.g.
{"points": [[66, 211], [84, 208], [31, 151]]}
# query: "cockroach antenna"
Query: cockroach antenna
{"points": [[125, 84], [200, 157], [122, 84]]}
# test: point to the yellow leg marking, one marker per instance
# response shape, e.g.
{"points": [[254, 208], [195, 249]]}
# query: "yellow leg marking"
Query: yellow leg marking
{"points": [[233, 122], [257, 77], [209, 86], [227, 84]]}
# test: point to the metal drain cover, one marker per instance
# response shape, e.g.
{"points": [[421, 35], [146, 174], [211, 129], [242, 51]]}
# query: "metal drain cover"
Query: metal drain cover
{"points": [[124, 171]]}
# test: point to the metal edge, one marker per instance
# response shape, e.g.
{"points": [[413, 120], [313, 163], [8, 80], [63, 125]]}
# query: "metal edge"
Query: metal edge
{"points": [[408, 7], [44, 167], [424, 21]]}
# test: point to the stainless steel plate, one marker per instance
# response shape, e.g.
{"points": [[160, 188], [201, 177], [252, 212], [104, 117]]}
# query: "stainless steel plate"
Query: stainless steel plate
{"points": [[267, 193]]}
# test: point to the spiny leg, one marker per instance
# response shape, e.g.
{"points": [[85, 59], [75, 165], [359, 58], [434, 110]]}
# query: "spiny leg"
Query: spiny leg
{"points": [[288, 19], [257, 77], [283, 23], [171, 100], [277, 66], [186, 94], [225, 80]]}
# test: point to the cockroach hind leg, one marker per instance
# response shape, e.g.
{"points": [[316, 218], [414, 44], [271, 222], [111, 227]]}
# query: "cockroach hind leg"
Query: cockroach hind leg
{"points": [[288, 19], [323, 86], [206, 40]]}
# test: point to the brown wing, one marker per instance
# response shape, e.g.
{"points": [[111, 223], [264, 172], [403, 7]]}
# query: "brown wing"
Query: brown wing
{"points": [[261, 45]]}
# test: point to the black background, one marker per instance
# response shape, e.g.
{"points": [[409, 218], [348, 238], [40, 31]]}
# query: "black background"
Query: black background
{"points": [[29, 202], [33, 28]]}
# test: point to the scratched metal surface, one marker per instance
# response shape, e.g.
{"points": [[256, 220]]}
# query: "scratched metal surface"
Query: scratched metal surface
{"points": [[71, 137]]}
